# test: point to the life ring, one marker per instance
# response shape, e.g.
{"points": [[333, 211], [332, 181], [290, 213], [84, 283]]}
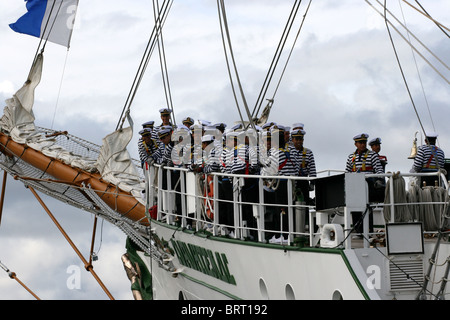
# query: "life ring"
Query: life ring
{"points": [[209, 195]]}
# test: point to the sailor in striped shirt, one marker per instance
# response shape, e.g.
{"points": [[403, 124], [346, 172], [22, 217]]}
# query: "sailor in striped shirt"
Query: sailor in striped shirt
{"points": [[305, 163], [162, 154], [146, 145], [425, 160], [363, 160]]}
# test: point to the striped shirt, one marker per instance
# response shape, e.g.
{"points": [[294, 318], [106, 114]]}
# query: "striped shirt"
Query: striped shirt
{"points": [[236, 160], [279, 162], [367, 161], [305, 162], [425, 159], [145, 150]]}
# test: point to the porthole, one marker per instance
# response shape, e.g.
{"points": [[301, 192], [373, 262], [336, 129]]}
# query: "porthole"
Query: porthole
{"points": [[289, 291], [337, 295], [263, 289]]}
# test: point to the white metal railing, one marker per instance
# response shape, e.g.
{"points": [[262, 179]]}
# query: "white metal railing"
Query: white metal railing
{"points": [[185, 204]]}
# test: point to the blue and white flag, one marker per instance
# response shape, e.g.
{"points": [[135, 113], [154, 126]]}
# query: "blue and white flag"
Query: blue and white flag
{"points": [[52, 20]]}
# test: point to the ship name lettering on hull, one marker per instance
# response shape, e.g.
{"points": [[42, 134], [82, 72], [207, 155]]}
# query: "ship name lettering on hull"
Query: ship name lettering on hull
{"points": [[204, 260]]}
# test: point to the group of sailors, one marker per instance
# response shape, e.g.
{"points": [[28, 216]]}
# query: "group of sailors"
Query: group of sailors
{"points": [[269, 150], [238, 150]]}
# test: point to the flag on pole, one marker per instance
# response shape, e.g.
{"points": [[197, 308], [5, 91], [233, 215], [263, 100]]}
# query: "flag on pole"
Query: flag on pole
{"points": [[51, 20]]}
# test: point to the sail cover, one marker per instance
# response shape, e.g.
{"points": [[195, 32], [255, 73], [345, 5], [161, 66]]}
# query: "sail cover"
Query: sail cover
{"points": [[115, 164], [48, 19]]}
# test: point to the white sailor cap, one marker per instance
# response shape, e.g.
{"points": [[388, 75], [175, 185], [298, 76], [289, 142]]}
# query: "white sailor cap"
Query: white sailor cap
{"points": [[148, 124], [236, 127], [207, 138], [268, 125], [361, 137], [182, 128], [277, 128], [298, 133], [375, 141], [432, 134], [220, 125], [188, 120], [145, 132], [298, 125], [164, 132], [204, 122], [166, 127], [164, 111]]}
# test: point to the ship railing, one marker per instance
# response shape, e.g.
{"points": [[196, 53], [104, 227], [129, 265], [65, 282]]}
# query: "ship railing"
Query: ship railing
{"points": [[405, 202], [180, 200]]}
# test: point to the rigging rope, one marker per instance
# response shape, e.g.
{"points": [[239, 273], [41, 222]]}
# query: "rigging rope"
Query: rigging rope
{"points": [[163, 63], [289, 57], [417, 69], [440, 25], [414, 48], [276, 57], [223, 18], [228, 63], [162, 16]]}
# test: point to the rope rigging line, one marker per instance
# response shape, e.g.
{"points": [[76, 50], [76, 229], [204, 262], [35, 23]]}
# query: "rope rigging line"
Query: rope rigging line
{"points": [[46, 39], [288, 58], [414, 48], [417, 69], [440, 25], [162, 16], [276, 57], [417, 39], [163, 63], [435, 22], [228, 63], [400, 66], [222, 11]]}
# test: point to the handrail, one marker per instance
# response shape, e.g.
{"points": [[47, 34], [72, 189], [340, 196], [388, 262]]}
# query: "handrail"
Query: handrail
{"points": [[193, 200]]}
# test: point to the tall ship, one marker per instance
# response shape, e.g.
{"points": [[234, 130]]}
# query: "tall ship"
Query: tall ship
{"points": [[197, 230]]}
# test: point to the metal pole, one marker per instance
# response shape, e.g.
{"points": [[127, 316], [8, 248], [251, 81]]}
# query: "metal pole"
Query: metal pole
{"points": [[2, 198], [12, 275], [88, 266]]}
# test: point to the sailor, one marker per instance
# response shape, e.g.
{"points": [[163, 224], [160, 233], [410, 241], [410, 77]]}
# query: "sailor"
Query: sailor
{"points": [[305, 163], [148, 125], [165, 116], [146, 146], [364, 161], [211, 155], [429, 158], [375, 145], [188, 121], [162, 154], [181, 152], [268, 125]]}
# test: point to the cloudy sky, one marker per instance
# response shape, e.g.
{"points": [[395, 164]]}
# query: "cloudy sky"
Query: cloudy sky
{"points": [[342, 79]]}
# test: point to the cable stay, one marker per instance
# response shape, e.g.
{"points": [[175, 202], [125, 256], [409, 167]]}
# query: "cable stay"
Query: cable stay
{"points": [[163, 63], [266, 111], [224, 29], [403, 76], [418, 71], [409, 43], [160, 20], [425, 13], [276, 58]]}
